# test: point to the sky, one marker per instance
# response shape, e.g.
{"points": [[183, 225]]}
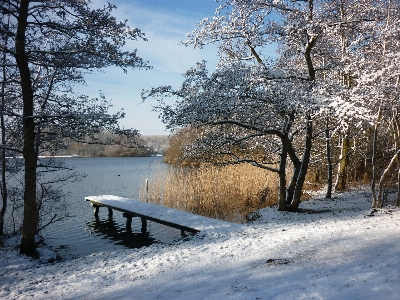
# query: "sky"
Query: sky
{"points": [[165, 23]]}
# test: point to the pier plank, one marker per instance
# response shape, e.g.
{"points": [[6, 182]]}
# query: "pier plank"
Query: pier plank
{"points": [[182, 220]]}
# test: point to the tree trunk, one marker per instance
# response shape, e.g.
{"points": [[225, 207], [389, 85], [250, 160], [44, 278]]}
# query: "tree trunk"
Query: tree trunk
{"points": [[4, 191], [343, 164], [396, 136], [329, 159], [392, 164], [398, 189], [282, 181], [375, 137], [29, 229], [288, 148], [4, 194], [304, 167], [317, 173], [292, 184]]}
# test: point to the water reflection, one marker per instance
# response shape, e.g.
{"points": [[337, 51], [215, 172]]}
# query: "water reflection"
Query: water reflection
{"points": [[110, 229], [79, 235]]}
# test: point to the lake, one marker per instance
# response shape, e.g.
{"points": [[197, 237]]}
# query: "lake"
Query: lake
{"points": [[122, 176]]}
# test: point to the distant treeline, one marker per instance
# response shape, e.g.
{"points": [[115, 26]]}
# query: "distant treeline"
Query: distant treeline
{"points": [[115, 146]]}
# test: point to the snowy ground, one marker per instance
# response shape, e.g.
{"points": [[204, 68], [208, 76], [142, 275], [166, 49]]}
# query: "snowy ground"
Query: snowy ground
{"points": [[341, 251]]}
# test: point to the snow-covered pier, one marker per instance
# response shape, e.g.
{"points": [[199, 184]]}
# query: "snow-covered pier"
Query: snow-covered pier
{"points": [[186, 222]]}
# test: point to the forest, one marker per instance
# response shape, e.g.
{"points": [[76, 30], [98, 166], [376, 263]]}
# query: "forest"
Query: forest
{"points": [[328, 105]]}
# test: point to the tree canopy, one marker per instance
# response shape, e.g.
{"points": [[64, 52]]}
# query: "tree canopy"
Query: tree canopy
{"points": [[333, 57]]}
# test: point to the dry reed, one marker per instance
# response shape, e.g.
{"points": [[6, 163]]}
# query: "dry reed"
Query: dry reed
{"points": [[229, 193]]}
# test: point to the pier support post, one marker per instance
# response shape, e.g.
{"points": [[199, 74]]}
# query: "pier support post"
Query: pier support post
{"points": [[110, 213], [96, 210], [144, 225], [128, 221]]}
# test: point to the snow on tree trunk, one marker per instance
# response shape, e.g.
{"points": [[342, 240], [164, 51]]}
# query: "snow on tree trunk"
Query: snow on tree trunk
{"points": [[392, 164], [292, 185], [329, 159], [374, 140], [341, 179]]}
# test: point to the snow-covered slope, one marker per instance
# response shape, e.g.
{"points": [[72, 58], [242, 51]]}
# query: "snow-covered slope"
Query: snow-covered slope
{"points": [[339, 250]]}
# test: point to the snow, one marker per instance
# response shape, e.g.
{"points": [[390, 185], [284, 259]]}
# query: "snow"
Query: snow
{"points": [[342, 250], [170, 215]]}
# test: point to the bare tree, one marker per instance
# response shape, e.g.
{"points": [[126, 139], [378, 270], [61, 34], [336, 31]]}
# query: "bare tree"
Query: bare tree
{"points": [[54, 43]]}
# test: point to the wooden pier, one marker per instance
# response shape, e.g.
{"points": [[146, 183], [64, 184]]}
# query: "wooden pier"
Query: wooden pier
{"points": [[186, 222]]}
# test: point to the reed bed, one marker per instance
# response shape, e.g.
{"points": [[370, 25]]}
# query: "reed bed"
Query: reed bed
{"points": [[233, 193]]}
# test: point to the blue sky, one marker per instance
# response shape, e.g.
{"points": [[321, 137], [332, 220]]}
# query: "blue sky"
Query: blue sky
{"points": [[165, 23]]}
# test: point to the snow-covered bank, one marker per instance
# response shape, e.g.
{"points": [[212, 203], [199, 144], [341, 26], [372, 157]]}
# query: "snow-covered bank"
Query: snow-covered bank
{"points": [[341, 251]]}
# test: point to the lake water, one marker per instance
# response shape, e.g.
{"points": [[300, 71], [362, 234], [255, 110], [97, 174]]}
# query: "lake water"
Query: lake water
{"points": [[81, 234]]}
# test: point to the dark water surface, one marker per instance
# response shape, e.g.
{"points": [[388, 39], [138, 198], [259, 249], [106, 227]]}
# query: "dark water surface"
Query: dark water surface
{"points": [[82, 234]]}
